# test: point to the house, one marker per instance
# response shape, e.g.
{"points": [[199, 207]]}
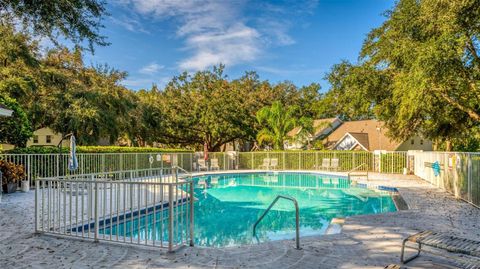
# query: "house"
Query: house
{"points": [[370, 135], [5, 111], [322, 127], [47, 137]]}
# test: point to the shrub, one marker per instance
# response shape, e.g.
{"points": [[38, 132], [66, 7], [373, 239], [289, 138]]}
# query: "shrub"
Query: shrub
{"points": [[91, 149], [11, 173]]}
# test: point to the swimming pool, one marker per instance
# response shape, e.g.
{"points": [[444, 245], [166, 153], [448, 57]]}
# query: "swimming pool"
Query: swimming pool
{"points": [[227, 206]]}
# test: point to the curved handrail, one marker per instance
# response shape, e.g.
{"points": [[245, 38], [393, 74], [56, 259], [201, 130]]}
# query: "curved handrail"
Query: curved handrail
{"points": [[189, 175], [356, 169], [297, 217]]}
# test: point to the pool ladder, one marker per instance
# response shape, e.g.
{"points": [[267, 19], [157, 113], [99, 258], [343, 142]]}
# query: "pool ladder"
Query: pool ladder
{"points": [[297, 217]]}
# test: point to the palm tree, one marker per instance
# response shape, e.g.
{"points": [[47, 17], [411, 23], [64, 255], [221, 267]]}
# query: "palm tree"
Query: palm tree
{"points": [[277, 120]]}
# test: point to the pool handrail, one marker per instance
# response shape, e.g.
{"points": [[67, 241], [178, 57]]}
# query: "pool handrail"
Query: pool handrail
{"points": [[297, 217], [352, 171], [189, 174]]}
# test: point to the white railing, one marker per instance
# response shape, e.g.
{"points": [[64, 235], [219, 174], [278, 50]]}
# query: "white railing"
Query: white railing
{"points": [[56, 165], [149, 207], [456, 172]]}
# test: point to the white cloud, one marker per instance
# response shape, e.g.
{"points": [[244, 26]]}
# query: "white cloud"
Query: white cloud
{"points": [[151, 69], [130, 24], [217, 31]]}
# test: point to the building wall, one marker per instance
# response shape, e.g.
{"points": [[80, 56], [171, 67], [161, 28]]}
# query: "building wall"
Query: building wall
{"points": [[46, 137], [416, 143]]}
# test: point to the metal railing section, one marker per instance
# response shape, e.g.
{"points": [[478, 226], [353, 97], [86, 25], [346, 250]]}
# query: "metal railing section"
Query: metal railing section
{"points": [[297, 217], [140, 212], [56, 165]]}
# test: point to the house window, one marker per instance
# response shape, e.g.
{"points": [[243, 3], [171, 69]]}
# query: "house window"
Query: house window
{"points": [[35, 139], [421, 141], [48, 139], [412, 141]]}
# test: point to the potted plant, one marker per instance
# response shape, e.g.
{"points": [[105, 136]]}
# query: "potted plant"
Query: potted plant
{"points": [[11, 175]]}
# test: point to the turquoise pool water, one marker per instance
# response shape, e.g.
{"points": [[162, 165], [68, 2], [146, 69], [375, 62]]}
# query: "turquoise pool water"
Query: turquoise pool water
{"points": [[228, 205]]}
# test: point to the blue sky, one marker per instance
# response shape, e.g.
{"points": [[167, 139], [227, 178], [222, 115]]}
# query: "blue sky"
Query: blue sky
{"points": [[154, 40]]}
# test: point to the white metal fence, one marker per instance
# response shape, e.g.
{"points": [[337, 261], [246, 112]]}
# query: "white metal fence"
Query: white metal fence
{"points": [[148, 207], [56, 165], [384, 162], [456, 172]]}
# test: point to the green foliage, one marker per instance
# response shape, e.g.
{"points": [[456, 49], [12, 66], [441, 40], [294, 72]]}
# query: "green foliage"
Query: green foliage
{"points": [[419, 71], [92, 149], [11, 173], [76, 20], [277, 120], [16, 129]]}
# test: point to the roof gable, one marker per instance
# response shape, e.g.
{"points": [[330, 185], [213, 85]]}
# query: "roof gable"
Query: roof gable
{"points": [[375, 131], [351, 141]]}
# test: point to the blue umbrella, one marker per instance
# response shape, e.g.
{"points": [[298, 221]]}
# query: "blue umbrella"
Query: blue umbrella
{"points": [[72, 158]]}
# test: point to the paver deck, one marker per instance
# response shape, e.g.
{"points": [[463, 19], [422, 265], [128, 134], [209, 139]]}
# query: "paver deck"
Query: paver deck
{"points": [[369, 241]]}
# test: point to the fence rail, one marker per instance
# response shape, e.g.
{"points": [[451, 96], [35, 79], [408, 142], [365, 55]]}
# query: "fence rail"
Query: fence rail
{"points": [[138, 211]]}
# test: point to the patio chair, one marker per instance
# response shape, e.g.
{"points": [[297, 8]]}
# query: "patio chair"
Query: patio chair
{"points": [[469, 249], [214, 164], [334, 164], [202, 165], [265, 164], [273, 163], [326, 164]]}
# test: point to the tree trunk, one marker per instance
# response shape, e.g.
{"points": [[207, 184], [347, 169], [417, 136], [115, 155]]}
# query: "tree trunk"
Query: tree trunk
{"points": [[448, 146]]}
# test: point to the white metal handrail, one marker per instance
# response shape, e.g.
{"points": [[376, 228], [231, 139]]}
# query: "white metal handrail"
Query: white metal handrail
{"points": [[352, 171], [297, 217]]}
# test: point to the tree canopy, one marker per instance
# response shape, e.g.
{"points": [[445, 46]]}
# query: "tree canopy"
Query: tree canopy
{"points": [[16, 128], [419, 71], [76, 20]]}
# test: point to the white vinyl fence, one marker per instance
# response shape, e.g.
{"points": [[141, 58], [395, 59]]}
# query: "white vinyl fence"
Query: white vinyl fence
{"points": [[150, 207], [456, 172]]}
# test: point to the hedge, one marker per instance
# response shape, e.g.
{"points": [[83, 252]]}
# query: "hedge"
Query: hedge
{"points": [[91, 149]]}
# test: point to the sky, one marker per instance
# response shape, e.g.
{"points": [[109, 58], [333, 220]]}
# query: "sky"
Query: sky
{"points": [[297, 41]]}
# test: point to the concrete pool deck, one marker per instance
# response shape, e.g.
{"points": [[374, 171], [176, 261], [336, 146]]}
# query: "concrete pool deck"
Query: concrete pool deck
{"points": [[369, 241]]}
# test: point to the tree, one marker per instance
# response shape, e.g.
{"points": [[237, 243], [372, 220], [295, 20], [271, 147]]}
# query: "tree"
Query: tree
{"points": [[15, 129], [76, 20], [277, 120], [86, 101], [203, 109], [420, 70], [352, 95]]}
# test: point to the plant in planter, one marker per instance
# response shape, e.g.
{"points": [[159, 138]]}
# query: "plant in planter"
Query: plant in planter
{"points": [[11, 175]]}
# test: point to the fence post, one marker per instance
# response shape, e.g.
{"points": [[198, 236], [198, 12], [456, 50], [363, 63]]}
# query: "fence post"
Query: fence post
{"points": [[170, 218], [252, 162], [176, 174], [469, 177], [96, 223], [37, 187], [192, 222], [29, 175]]}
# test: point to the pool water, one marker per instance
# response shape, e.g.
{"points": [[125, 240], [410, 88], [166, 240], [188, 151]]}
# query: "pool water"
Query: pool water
{"points": [[228, 205]]}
